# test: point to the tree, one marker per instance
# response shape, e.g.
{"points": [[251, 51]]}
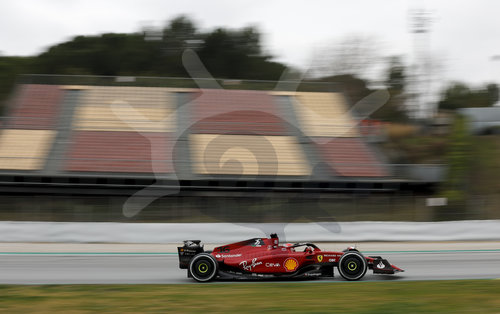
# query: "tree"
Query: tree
{"points": [[10, 68], [459, 95], [394, 109], [107, 54], [493, 93], [353, 87], [238, 54], [177, 32], [226, 53], [396, 76], [353, 54], [459, 162], [176, 38]]}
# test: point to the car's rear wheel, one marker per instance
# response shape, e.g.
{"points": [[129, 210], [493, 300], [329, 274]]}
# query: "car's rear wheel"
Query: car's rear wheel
{"points": [[203, 267], [352, 265]]}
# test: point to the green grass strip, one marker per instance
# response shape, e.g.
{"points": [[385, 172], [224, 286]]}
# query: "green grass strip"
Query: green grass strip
{"points": [[459, 296]]}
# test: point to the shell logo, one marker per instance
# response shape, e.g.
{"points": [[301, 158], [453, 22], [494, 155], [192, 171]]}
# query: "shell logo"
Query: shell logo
{"points": [[291, 264]]}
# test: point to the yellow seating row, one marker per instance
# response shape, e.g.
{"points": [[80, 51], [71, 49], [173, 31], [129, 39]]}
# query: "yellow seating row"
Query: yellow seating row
{"points": [[142, 109], [24, 149], [324, 114], [247, 155]]}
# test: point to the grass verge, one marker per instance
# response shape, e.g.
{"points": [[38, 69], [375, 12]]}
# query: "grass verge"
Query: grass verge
{"points": [[312, 297]]}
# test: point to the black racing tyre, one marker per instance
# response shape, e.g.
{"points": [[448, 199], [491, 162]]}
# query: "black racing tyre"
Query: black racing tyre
{"points": [[203, 267], [352, 265]]}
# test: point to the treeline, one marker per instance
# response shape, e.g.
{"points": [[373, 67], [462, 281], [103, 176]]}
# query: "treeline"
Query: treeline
{"points": [[459, 95], [226, 53]]}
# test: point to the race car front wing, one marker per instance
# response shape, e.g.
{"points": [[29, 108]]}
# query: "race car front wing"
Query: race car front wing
{"points": [[380, 265]]}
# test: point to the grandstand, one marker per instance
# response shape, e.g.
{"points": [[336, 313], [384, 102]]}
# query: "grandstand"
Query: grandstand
{"points": [[119, 137]]}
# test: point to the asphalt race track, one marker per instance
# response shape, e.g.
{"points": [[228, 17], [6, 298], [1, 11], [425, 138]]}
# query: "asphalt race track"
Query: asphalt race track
{"points": [[157, 268]]}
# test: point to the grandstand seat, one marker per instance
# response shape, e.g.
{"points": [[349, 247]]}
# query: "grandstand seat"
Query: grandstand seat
{"points": [[324, 114], [247, 155], [117, 108], [24, 149], [236, 112], [35, 107], [108, 151], [351, 157]]}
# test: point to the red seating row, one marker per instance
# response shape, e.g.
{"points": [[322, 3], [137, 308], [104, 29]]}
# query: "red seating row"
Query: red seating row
{"points": [[35, 107], [101, 151], [236, 112], [350, 157]]}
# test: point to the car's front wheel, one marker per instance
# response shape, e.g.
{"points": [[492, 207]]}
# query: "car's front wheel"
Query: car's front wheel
{"points": [[352, 265], [203, 267]]}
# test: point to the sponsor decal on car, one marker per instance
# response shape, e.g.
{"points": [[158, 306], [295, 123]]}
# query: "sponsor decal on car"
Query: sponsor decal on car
{"points": [[223, 249], [380, 265], [331, 260], [187, 251], [227, 255], [258, 243], [320, 258], [272, 264], [291, 264], [249, 266]]}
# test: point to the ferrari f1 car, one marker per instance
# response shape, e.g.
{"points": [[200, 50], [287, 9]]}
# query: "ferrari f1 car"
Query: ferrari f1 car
{"points": [[267, 258]]}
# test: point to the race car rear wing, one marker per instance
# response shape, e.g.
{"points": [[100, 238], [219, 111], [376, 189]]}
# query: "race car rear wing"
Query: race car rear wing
{"points": [[188, 251]]}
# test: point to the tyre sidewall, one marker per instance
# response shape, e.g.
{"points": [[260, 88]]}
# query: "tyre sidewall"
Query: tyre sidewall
{"points": [[349, 257], [203, 259]]}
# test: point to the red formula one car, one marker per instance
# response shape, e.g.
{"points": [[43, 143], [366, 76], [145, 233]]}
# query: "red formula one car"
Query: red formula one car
{"points": [[266, 258]]}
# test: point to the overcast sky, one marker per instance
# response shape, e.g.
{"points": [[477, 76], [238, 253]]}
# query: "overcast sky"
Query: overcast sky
{"points": [[464, 34]]}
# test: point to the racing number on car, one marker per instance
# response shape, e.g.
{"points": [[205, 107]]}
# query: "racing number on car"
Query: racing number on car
{"points": [[224, 249]]}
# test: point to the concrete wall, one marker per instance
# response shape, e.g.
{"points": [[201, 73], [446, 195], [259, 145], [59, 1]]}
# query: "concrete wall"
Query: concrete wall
{"points": [[227, 232]]}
